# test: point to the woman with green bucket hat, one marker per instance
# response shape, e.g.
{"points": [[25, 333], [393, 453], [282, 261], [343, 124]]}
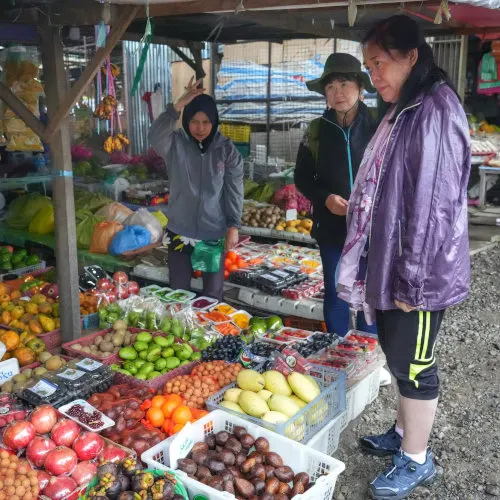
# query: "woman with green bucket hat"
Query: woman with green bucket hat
{"points": [[327, 163]]}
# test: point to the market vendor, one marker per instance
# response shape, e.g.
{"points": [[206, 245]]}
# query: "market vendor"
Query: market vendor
{"points": [[205, 171], [409, 206], [327, 163]]}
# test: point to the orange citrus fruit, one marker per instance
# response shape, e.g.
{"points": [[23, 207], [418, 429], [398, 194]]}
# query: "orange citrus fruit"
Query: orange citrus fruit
{"points": [[168, 407], [167, 423], [177, 428], [232, 256], [181, 415], [155, 417], [157, 401], [174, 397]]}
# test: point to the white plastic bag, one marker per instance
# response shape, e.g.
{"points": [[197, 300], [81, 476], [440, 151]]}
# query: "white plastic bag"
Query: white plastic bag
{"points": [[144, 218]]}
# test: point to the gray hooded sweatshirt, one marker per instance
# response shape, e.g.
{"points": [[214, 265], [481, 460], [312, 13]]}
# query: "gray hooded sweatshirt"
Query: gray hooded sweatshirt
{"points": [[206, 189]]}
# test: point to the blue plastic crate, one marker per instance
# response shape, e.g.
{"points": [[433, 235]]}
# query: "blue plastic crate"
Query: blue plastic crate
{"points": [[310, 419], [90, 321]]}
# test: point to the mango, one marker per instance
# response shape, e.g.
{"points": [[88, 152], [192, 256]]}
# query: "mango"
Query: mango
{"points": [[250, 380], [306, 388], [35, 327], [299, 401], [17, 312], [283, 404], [275, 417], [276, 383], [31, 308], [265, 394], [38, 298], [232, 394], [48, 324], [252, 404], [230, 405]]}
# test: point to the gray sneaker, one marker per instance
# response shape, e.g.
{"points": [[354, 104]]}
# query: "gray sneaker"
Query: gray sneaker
{"points": [[383, 444]]}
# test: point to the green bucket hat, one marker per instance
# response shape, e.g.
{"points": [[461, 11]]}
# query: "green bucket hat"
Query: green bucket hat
{"points": [[340, 64]]}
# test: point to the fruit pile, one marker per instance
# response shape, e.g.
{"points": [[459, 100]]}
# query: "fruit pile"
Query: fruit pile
{"points": [[170, 413], [149, 357], [233, 262], [226, 348], [315, 343], [205, 380], [127, 480], [18, 481], [302, 226], [118, 288], [243, 466], [92, 420], [11, 259], [11, 410]]}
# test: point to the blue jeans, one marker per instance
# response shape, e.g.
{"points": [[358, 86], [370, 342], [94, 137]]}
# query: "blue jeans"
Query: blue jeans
{"points": [[335, 310]]}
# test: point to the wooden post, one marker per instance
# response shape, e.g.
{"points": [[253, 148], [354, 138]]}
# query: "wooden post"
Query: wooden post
{"points": [[56, 90]]}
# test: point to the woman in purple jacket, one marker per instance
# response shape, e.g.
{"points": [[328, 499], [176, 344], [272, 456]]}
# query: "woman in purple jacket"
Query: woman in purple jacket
{"points": [[406, 256]]}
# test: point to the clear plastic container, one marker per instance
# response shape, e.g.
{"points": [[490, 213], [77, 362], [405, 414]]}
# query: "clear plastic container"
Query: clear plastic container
{"points": [[43, 391], [203, 303], [100, 373], [11, 409]]}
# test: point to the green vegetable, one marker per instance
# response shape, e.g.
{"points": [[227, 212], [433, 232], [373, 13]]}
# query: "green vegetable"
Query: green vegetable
{"points": [[196, 356], [167, 353], [173, 362], [144, 337], [32, 260], [161, 341], [185, 352], [165, 325], [128, 353], [274, 323], [154, 354], [146, 369], [153, 374], [140, 345], [160, 364], [143, 355]]}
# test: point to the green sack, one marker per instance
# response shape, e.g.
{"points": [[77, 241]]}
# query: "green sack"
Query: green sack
{"points": [[85, 225], [206, 255], [24, 208]]}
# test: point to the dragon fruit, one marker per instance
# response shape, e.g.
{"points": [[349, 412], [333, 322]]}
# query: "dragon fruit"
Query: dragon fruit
{"points": [[288, 197]]}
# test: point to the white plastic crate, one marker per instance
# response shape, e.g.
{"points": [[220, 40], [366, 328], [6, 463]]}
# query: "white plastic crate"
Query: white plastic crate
{"points": [[327, 439], [310, 419], [322, 469]]}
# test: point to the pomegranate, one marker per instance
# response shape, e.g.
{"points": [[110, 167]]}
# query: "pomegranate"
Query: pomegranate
{"points": [[18, 435], [65, 432], [88, 445], [43, 479], [120, 277], [60, 461], [133, 287], [104, 284], [44, 418], [122, 293], [112, 453], [59, 488], [38, 449], [84, 472]]}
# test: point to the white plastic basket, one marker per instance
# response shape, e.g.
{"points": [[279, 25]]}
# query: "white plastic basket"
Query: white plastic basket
{"points": [[322, 469], [327, 439], [310, 419]]}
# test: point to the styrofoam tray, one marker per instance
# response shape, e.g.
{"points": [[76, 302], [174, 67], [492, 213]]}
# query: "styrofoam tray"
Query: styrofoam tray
{"points": [[107, 422], [322, 469]]}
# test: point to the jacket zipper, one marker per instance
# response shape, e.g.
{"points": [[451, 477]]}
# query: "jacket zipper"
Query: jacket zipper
{"points": [[199, 194], [380, 175], [400, 241]]}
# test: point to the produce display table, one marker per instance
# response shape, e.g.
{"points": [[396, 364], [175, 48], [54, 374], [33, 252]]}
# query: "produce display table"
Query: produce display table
{"points": [[20, 238], [278, 235], [153, 208]]}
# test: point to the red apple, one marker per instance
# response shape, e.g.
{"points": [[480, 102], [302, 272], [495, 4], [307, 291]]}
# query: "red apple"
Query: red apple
{"points": [[65, 432], [120, 277], [88, 445], [104, 284], [44, 418], [60, 488], [60, 461], [133, 287], [84, 472], [18, 435], [38, 449]]}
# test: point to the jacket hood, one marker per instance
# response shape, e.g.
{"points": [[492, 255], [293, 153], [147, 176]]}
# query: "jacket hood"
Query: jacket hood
{"points": [[207, 105]]}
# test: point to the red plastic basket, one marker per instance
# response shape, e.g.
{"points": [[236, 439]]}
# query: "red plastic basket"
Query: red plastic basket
{"points": [[52, 339], [158, 382], [87, 340]]}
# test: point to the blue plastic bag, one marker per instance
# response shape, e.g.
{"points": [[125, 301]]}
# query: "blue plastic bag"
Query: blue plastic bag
{"points": [[129, 238]]}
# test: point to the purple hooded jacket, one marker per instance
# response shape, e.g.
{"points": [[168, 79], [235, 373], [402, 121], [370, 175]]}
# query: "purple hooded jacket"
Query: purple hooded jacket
{"points": [[419, 245]]}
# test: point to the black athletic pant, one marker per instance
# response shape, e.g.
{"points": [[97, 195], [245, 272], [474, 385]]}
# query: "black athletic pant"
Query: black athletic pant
{"points": [[408, 341]]}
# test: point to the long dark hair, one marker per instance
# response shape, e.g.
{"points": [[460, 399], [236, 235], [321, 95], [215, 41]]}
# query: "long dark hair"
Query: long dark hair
{"points": [[403, 34]]}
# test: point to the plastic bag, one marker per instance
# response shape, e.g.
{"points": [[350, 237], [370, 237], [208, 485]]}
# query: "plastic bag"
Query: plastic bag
{"points": [[86, 222], [115, 211], [43, 221], [162, 218], [206, 256], [130, 238], [24, 208], [90, 201], [104, 233], [144, 218]]}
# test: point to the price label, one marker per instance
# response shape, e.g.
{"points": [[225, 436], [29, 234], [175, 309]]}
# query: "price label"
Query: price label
{"points": [[89, 365], [291, 214], [71, 374]]}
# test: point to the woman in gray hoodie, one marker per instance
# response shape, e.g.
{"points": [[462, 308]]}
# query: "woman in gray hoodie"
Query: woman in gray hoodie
{"points": [[206, 185]]}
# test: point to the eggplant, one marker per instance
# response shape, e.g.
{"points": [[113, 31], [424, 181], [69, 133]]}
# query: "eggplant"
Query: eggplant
{"points": [[162, 490], [107, 468], [131, 466], [142, 481]]}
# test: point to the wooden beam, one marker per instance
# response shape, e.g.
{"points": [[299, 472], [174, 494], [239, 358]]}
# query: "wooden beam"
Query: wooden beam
{"points": [[190, 62], [91, 70], [21, 110], [56, 89], [195, 49]]}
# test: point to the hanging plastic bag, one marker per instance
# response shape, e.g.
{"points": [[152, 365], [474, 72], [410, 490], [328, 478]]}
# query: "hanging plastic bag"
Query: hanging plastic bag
{"points": [[104, 233], [206, 256], [130, 238], [24, 208], [86, 222], [115, 211], [43, 221], [144, 218], [162, 218]]}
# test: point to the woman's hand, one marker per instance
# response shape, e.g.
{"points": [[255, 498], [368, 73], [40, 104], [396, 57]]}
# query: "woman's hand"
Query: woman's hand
{"points": [[192, 91], [404, 307], [336, 204], [232, 238]]}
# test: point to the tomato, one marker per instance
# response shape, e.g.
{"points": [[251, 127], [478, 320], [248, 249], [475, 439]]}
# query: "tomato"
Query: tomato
{"points": [[231, 256]]}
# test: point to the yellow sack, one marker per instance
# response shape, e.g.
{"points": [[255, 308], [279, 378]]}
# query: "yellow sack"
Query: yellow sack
{"points": [[43, 221], [162, 218]]}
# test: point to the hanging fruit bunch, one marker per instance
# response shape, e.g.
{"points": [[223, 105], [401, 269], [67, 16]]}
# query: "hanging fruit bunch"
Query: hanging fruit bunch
{"points": [[115, 70], [106, 108], [117, 142]]}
